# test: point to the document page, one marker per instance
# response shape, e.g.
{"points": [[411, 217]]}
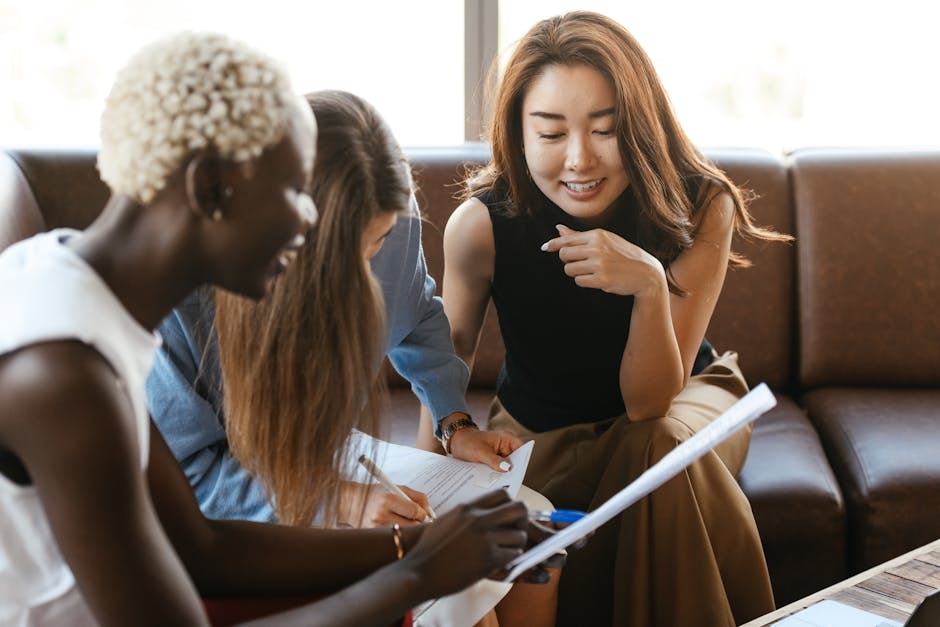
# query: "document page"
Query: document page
{"points": [[446, 481], [830, 613], [749, 408]]}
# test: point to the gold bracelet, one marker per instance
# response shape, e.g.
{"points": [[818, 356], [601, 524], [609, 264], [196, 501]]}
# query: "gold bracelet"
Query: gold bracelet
{"points": [[396, 538]]}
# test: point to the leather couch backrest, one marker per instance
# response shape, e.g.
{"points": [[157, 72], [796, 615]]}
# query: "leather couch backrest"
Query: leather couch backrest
{"points": [[756, 311], [42, 190], [438, 172], [869, 267]]}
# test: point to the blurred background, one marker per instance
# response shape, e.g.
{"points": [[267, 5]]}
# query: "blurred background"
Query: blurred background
{"points": [[777, 75]]}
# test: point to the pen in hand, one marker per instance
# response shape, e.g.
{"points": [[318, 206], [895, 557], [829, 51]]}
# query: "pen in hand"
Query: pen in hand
{"points": [[389, 485]]}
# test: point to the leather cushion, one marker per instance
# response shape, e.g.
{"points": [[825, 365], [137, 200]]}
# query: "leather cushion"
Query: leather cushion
{"points": [[882, 444], [796, 502]]}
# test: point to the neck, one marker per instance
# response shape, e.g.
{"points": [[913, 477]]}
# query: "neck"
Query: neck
{"points": [[141, 254]]}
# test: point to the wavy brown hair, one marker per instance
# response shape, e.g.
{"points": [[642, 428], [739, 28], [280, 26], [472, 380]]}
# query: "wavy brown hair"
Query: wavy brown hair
{"points": [[669, 177], [300, 369]]}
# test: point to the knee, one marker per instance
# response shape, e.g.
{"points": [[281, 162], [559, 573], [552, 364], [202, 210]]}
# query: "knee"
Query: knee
{"points": [[659, 436]]}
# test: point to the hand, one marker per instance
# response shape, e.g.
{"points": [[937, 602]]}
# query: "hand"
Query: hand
{"points": [[381, 508], [605, 261], [469, 542], [539, 574], [486, 447]]}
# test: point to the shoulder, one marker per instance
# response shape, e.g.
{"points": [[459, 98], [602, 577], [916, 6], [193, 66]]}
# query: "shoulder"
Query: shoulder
{"points": [[470, 228], [469, 245], [715, 213], [63, 394]]}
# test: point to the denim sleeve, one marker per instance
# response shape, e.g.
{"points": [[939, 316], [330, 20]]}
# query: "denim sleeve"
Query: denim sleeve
{"points": [[185, 401], [420, 347]]}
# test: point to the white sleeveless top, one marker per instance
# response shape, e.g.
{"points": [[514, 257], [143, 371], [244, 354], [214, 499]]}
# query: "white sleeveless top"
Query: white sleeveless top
{"points": [[50, 293]]}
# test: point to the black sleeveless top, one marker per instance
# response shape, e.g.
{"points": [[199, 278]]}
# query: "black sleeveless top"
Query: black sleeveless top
{"points": [[564, 343]]}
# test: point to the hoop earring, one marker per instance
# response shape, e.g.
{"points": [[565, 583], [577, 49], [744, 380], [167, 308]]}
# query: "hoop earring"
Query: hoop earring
{"points": [[217, 215]]}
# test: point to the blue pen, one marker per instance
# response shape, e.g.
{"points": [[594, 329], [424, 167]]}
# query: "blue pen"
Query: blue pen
{"points": [[564, 516]]}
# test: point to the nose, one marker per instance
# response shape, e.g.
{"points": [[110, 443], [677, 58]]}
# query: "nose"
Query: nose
{"points": [[579, 155]]}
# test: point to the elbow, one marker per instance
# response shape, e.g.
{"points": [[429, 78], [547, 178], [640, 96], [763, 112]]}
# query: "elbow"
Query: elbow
{"points": [[650, 405], [637, 412], [465, 348]]}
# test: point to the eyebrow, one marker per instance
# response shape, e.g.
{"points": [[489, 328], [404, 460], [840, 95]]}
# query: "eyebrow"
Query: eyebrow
{"points": [[600, 113]]}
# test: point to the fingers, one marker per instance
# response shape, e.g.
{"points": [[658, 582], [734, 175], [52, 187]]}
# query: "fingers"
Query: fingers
{"points": [[567, 237], [507, 442], [507, 514], [558, 560], [388, 508], [490, 499], [536, 575], [496, 509], [494, 461], [508, 537], [486, 447], [418, 497]]}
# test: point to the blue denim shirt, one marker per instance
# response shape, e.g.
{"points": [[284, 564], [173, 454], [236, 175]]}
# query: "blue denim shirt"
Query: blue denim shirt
{"points": [[184, 391]]}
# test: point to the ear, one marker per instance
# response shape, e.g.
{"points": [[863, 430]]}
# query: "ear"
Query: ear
{"points": [[203, 184]]}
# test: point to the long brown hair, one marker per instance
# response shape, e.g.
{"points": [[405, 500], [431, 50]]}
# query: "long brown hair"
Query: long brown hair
{"points": [[300, 369], [663, 165]]}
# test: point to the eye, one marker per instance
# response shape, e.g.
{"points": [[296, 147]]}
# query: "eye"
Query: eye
{"points": [[550, 136], [605, 133]]}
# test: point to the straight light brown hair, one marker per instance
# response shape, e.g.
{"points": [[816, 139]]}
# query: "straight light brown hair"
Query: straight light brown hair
{"points": [[663, 165], [301, 368]]}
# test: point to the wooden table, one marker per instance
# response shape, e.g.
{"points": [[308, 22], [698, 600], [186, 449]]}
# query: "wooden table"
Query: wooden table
{"points": [[892, 589]]}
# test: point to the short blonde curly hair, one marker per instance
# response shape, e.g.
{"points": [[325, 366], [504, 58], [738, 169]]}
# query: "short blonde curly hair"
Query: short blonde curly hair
{"points": [[184, 93]]}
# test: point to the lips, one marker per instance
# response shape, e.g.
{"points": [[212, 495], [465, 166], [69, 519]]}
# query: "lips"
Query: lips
{"points": [[582, 186]]}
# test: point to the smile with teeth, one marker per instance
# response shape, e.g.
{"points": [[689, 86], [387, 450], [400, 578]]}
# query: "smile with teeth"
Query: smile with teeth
{"points": [[582, 187]]}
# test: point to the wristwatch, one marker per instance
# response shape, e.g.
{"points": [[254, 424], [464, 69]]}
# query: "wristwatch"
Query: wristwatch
{"points": [[448, 432]]}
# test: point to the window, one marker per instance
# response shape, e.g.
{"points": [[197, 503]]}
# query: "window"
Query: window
{"points": [[781, 75], [58, 58], [739, 72]]}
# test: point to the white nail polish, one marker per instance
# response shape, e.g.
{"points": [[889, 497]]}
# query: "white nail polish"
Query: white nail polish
{"points": [[505, 466], [545, 246]]}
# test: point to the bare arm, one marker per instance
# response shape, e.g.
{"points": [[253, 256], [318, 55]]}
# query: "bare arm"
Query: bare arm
{"points": [[70, 424], [72, 427], [665, 330], [469, 259]]}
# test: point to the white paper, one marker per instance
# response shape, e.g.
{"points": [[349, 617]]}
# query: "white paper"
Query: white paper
{"points": [[834, 614], [749, 408], [446, 481]]}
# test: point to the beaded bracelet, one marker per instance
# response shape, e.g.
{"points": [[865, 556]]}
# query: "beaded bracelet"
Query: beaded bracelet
{"points": [[399, 544]]}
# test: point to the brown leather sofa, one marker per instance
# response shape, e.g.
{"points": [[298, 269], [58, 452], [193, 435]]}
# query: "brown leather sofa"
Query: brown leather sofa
{"points": [[845, 472]]}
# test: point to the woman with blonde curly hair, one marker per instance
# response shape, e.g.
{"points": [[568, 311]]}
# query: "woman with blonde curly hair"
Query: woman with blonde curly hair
{"points": [[209, 156]]}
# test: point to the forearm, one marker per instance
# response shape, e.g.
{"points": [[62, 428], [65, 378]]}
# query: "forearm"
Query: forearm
{"points": [[426, 440], [245, 558], [651, 370], [378, 600]]}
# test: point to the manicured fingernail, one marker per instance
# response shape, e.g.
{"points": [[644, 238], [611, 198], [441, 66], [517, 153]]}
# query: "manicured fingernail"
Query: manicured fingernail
{"points": [[545, 246], [505, 466]]}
